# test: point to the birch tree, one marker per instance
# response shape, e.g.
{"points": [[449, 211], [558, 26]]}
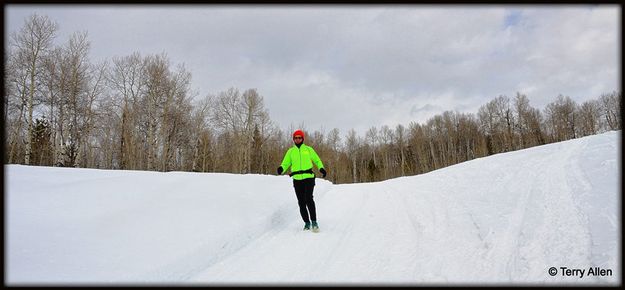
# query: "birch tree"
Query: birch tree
{"points": [[31, 44], [127, 86]]}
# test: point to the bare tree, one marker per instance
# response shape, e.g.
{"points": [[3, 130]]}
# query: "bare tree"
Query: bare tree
{"points": [[352, 144], [497, 122], [127, 84], [32, 43], [334, 141], [255, 123], [371, 139], [419, 148], [154, 100], [16, 99], [589, 115], [400, 132], [561, 115], [203, 135], [138, 113], [52, 93], [175, 117], [611, 110], [75, 97]]}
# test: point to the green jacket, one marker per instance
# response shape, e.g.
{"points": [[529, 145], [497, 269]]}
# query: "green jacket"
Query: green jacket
{"points": [[300, 159]]}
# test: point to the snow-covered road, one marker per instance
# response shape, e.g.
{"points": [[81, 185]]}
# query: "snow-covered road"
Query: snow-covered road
{"points": [[505, 219]]}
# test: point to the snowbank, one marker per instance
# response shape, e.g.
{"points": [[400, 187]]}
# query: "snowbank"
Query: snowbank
{"points": [[505, 219]]}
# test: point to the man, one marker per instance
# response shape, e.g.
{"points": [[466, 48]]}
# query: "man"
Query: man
{"points": [[300, 158]]}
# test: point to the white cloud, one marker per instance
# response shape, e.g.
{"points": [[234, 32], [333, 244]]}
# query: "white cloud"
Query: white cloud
{"points": [[360, 66]]}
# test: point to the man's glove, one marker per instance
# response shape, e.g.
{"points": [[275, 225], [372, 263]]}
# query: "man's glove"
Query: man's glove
{"points": [[323, 172], [279, 170]]}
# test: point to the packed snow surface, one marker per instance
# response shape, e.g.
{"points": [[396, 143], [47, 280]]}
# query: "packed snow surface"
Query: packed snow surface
{"points": [[503, 219]]}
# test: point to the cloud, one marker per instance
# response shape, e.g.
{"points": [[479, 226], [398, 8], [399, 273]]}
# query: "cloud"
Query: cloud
{"points": [[362, 66], [428, 108]]}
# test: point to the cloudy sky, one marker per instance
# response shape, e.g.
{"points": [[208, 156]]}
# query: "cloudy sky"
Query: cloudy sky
{"points": [[360, 66]]}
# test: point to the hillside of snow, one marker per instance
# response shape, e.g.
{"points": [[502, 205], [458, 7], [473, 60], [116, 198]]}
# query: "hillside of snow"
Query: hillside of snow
{"points": [[501, 220]]}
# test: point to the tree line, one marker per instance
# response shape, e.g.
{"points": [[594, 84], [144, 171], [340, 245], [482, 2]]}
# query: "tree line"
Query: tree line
{"points": [[138, 112]]}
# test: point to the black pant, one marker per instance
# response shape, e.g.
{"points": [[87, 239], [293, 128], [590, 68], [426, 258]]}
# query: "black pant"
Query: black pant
{"points": [[304, 191]]}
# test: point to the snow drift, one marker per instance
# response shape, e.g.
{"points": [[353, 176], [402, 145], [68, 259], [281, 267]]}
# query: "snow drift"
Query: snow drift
{"points": [[506, 219]]}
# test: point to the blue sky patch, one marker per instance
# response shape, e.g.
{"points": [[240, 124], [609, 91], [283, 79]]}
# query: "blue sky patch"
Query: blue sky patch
{"points": [[512, 18]]}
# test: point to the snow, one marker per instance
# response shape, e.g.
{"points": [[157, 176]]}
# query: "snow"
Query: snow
{"points": [[500, 220]]}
